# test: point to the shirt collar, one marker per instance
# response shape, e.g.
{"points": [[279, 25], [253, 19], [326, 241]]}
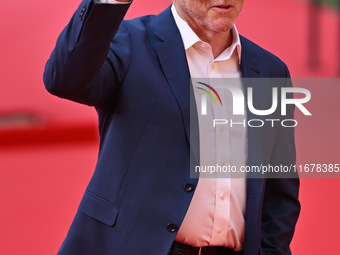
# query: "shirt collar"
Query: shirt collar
{"points": [[190, 38]]}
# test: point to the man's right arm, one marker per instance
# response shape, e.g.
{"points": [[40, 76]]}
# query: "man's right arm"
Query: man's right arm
{"points": [[81, 67]]}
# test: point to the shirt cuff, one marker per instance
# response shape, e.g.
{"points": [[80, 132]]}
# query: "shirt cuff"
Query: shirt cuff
{"points": [[111, 2]]}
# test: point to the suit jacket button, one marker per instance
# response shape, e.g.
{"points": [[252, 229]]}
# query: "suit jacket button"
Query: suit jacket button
{"points": [[172, 227], [188, 187]]}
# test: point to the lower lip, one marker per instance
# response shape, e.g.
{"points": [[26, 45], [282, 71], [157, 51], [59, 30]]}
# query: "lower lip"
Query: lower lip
{"points": [[222, 10]]}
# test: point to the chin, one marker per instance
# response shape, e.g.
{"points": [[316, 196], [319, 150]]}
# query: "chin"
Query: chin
{"points": [[222, 27]]}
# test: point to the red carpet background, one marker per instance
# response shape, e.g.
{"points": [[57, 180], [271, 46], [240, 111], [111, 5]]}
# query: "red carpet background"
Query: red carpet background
{"points": [[48, 146]]}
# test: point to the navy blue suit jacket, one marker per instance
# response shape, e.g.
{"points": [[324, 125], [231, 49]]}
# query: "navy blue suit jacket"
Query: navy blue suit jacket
{"points": [[139, 83]]}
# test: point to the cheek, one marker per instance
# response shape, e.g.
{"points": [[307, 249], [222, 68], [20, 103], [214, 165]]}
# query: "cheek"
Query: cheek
{"points": [[239, 6], [197, 11]]}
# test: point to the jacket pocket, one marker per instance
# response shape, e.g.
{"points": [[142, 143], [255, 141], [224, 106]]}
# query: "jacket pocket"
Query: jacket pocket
{"points": [[98, 208]]}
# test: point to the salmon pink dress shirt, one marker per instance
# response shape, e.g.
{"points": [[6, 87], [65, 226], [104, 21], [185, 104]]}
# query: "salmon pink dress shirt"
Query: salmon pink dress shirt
{"points": [[216, 215]]}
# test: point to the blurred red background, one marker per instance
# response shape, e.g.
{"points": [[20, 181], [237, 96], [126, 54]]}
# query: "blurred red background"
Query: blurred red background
{"points": [[48, 146]]}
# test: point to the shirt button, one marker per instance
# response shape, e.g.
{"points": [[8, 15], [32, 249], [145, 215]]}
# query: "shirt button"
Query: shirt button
{"points": [[172, 227], [222, 196], [219, 230], [188, 187]]}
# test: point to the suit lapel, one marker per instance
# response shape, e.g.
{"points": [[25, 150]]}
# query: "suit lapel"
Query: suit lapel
{"points": [[249, 64], [171, 55], [251, 68]]}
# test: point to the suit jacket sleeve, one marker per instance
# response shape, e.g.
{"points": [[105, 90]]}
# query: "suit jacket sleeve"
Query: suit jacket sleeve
{"points": [[82, 67], [281, 206]]}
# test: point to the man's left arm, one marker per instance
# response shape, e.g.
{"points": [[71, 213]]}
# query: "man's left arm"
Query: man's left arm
{"points": [[281, 206]]}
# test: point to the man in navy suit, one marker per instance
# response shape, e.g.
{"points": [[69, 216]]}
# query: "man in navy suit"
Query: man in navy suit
{"points": [[141, 198]]}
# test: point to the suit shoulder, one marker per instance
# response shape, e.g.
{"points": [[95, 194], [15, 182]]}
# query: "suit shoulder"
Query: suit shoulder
{"points": [[140, 23]]}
